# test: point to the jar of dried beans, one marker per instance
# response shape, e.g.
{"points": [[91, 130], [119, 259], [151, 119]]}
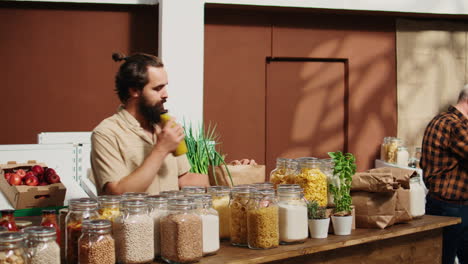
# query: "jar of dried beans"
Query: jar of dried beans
{"points": [[238, 209], [42, 245], [158, 208], [96, 245], [181, 233], [262, 220], [12, 249], [79, 210], [134, 232], [109, 206], [220, 196], [313, 181]]}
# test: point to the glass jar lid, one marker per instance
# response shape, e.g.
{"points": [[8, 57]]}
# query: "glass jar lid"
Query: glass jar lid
{"points": [[96, 225], [109, 199], [220, 190], [82, 204], [184, 203], [134, 195], [193, 189], [7, 238], [40, 233], [263, 185], [171, 194]]}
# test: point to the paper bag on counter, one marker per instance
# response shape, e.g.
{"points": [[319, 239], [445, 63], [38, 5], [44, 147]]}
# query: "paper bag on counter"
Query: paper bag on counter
{"points": [[241, 174], [402, 207], [373, 182], [402, 176], [374, 210]]}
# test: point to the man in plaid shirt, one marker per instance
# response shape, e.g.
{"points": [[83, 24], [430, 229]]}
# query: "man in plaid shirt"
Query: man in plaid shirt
{"points": [[444, 161]]}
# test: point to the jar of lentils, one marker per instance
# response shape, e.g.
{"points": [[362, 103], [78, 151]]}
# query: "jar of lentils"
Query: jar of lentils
{"points": [[96, 245]]}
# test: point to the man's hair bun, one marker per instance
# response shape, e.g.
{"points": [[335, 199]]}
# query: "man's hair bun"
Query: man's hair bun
{"points": [[117, 56]]}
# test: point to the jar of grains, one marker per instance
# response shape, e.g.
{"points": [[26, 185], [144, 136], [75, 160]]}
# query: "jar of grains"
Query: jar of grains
{"points": [[293, 224], [417, 197], [79, 210], [193, 190], [292, 170], [158, 209], [109, 207], [210, 224], [277, 176], [134, 232], [327, 166], [181, 232], [12, 249], [262, 220], [134, 196], [42, 245], [96, 245], [238, 209], [220, 196], [313, 181]]}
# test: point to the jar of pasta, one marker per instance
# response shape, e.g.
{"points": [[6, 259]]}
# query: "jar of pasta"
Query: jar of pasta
{"points": [[12, 249], [158, 208], [134, 196], [293, 222], [181, 233], [96, 245], [193, 190], [383, 148], [391, 150], [313, 181], [109, 207], [292, 170], [220, 197], [79, 210], [277, 176], [42, 245], [262, 220], [238, 209]]}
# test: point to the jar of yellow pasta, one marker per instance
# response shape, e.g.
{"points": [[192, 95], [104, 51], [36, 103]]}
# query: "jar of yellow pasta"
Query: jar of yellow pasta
{"points": [[277, 176], [263, 220], [313, 181], [238, 210], [391, 149], [292, 170], [221, 197], [109, 207]]}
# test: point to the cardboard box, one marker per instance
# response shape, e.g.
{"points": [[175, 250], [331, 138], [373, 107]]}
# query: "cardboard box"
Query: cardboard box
{"points": [[23, 196]]}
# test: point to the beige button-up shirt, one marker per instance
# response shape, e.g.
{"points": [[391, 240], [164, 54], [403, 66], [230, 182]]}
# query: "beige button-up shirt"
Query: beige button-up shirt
{"points": [[120, 145]]}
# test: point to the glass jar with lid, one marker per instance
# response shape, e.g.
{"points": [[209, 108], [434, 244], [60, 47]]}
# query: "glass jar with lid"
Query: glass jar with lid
{"points": [[78, 210], [210, 224], [292, 170], [134, 196], [417, 197], [277, 176], [193, 190], [3, 229], [391, 149], [313, 182], [133, 231], [263, 185], [383, 148], [8, 220], [263, 220], [96, 244], [402, 156], [12, 248], [293, 222], [158, 209], [220, 197], [42, 245], [172, 194], [109, 206], [181, 233], [49, 218], [238, 208]]}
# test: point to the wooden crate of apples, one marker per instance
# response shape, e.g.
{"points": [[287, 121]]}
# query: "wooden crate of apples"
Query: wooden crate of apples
{"points": [[30, 185]]}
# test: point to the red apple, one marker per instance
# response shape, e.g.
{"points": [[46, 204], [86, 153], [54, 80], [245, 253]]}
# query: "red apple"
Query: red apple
{"points": [[43, 183], [31, 180], [21, 173], [49, 171], [53, 178], [30, 173], [38, 169], [8, 175], [15, 179]]}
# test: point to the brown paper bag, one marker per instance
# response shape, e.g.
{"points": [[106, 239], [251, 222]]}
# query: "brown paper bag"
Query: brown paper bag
{"points": [[374, 210], [241, 174], [402, 176], [402, 207], [373, 182]]}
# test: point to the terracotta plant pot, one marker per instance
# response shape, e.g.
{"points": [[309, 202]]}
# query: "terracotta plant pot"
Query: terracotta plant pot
{"points": [[342, 225], [319, 227]]}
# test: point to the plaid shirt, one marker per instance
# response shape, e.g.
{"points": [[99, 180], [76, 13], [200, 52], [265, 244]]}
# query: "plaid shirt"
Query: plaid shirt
{"points": [[444, 157]]}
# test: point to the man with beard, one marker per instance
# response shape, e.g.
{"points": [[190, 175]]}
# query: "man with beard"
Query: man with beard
{"points": [[131, 151]]}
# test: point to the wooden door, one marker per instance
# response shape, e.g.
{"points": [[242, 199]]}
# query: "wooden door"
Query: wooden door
{"points": [[305, 108]]}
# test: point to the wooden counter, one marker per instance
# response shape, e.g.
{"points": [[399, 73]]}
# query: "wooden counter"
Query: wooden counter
{"points": [[419, 241]]}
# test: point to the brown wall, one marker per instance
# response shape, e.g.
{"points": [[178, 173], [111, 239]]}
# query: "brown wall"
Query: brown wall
{"points": [[56, 68], [336, 89]]}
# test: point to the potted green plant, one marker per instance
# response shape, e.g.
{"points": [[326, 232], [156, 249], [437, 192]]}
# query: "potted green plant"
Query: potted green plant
{"points": [[318, 220], [202, 153], [343, 171]]}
